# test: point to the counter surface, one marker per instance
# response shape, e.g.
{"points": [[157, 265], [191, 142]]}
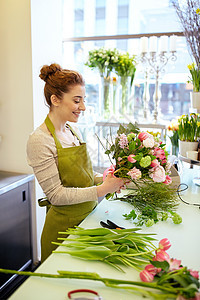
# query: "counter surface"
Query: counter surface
{"points": [[185, 246], [10, 180]]}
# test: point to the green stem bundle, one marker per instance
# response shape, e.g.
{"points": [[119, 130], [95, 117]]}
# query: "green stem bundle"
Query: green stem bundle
{"points": [[168, 291], [115, 247]]}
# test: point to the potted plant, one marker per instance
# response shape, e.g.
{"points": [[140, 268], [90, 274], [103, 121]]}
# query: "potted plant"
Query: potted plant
{"points": [[189, 132], [195, 80]]}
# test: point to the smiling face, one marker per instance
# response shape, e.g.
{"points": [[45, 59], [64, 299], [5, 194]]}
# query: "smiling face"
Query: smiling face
{"points": [[71, 105]]}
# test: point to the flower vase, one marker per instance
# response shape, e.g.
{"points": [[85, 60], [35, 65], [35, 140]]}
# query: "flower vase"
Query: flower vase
{"points": [[115, 108], [174, 138], [185, 146], [105, 97], [124, 94], [195, 100], [174, 150]]}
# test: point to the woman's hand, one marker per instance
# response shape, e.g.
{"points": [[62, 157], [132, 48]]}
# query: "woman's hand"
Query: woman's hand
{"points": [[111, 185]]}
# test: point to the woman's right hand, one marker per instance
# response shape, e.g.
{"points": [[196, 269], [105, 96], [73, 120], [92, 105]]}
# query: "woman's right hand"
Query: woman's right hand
{"points": [[111, 185]]}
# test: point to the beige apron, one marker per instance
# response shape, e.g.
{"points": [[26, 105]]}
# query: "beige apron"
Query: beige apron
{"points": [[75, 170]]}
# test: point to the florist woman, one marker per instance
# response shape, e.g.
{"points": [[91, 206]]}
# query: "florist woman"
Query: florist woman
{"points": [[60, 160]]}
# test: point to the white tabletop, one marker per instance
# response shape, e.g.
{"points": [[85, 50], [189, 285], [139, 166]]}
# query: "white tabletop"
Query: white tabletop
{"points": [[185, 246]]}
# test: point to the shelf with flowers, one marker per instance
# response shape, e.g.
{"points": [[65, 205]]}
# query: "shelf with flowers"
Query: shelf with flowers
{"points": [[122, 66], [189, 133]]}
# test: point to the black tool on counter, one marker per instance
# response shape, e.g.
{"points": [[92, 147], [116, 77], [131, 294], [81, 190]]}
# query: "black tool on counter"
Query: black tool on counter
{"points": [[110, 225]]}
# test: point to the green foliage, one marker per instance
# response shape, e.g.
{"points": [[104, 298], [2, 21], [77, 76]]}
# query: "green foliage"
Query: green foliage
{"points": [[195, 77], [108, 60], [149, 216], [189, 127]]}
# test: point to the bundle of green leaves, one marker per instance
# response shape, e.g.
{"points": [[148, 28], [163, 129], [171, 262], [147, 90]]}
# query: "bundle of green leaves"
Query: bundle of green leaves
{"points": [[115, 247]]}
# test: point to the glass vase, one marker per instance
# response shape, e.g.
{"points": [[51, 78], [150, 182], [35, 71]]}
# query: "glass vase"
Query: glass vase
{"points": [[124, 94], [105, 97], [174, 150]]}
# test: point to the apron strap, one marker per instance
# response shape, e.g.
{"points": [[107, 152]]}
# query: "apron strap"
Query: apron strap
{"points": [[74, 133], [51, 128]]}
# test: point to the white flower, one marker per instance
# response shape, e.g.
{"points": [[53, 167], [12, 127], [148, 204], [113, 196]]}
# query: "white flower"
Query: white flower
{"points": [[148, 143]]}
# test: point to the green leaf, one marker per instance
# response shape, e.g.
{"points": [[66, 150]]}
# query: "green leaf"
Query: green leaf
{"points": [[164, 265], [131, 215]]}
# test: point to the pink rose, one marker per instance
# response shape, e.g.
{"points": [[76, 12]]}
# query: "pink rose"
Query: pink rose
{"points": [[145, 276], [157, 174], [135, 173], [148, 142], [143, 136], [155, 163], [131, 159], [168, 180]]}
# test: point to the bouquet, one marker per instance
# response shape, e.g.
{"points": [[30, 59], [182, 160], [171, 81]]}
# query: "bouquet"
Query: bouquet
{"points": [[195, 77], [103, 59], [189, 127], [141, 158]]}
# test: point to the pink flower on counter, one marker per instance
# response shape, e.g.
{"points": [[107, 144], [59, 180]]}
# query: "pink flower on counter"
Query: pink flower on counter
{"points": [[131, 158], [161, 255], [152, 270], [194, 274], [135, 173], [157, 174], [155, 163], [145, 276], [174, 264], [164, 244], [168, 180], [148, 142], [123, 141], [143, 136]]}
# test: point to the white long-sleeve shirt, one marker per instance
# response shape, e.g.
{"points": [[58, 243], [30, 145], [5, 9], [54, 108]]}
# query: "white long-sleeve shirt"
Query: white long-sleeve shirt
{"points": [[42, 157]]}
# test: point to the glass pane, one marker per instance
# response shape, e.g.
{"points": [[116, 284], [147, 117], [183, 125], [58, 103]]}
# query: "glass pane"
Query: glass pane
{"points": [[139, 16], [174, 89]]}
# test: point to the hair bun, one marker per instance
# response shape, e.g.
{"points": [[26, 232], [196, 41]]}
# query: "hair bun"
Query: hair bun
{"points": [[46, 71]]}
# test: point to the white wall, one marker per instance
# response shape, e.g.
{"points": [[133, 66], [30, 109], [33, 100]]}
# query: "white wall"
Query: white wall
{"points": [[16, 96], [30, 36], [46, 28]]}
